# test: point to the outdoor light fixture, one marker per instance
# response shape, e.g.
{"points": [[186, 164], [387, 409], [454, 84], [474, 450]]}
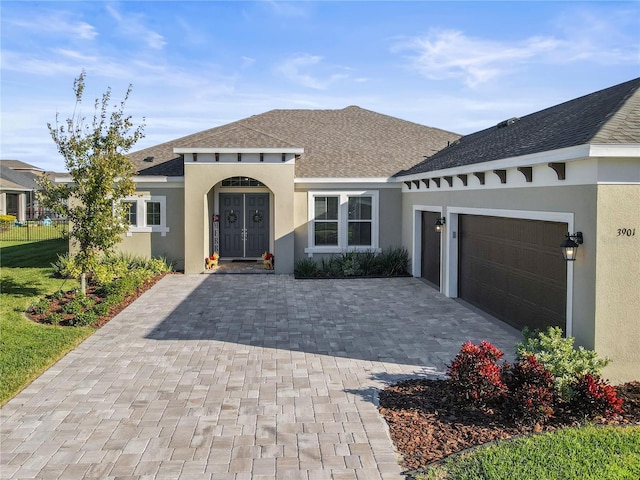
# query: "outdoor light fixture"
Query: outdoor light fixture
{"points": [[439, 224], [570, 246]]}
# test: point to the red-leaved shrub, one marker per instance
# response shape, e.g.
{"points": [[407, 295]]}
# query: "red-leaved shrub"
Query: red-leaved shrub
{"points": [[592, 396], [475, 376], [531, 393]]}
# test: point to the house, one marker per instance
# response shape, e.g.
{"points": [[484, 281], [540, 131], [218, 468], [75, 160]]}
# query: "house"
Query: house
{"points": [[312, 183], [18, 189], [508, 195], [289, 182]]}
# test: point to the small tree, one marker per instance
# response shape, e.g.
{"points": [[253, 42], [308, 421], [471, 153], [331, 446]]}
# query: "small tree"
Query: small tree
{"points": [[101, 175]]}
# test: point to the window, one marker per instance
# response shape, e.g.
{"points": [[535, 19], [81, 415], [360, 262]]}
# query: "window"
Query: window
{"points": [[153, 213], [131, 214], [326, 220], [360, 221], [146, 213], [341, 221], [241, 182]]}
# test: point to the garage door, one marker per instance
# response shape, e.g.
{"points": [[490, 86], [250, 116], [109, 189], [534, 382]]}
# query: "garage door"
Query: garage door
{"points": [[513, 269]]}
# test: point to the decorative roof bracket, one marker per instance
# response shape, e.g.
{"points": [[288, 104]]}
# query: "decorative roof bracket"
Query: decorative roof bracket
{"points": [[559, 168], [527, 172], [502, 174]]}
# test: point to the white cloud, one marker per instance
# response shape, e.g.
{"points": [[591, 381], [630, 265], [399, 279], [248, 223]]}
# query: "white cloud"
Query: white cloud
{"points": [[309, 71], [59, 23], [133, 26], [443, 54]]}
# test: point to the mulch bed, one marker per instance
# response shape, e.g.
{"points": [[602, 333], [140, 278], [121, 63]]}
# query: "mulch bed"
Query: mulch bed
{"points": [[56, 304], [426, 426]]}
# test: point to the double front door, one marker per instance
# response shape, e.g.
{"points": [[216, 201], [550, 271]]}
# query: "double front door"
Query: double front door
{"points": [[244, 224]]}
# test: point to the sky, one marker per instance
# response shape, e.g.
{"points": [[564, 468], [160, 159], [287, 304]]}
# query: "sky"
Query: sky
{"points": [[193, 65]]}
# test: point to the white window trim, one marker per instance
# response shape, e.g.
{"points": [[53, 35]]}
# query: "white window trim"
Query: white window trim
{"points": [[141, 215], [343, 222]]}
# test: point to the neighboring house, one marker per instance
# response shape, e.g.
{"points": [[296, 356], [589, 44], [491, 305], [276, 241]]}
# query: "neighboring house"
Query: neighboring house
{"points": [[18, 189], [508, 195], [311, 183]]}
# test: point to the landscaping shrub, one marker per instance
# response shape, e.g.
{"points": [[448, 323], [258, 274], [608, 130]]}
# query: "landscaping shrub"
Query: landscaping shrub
{"points": [[66, 267], [592, 396], [531, 396], [391, 262], [102, 308], [40, 306], [53, 318], [350, 264], [394, 261], [73, 307], [475, 377], [306, 267], [558, 355], [83, 319]]}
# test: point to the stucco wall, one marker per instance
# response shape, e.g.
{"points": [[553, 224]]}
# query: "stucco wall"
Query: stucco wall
{"points": [[578, 201], [200, 178], [170, 246], [617, 304]]}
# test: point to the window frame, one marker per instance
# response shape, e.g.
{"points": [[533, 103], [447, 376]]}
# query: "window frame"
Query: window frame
{"points": [[343, 221], [141, 202]]}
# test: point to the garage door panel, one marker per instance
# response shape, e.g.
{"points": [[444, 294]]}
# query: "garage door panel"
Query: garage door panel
{"points": [[513, 269]]}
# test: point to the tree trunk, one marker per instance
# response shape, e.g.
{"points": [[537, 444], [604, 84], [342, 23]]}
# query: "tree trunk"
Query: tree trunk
{"points": [[83, 283]]}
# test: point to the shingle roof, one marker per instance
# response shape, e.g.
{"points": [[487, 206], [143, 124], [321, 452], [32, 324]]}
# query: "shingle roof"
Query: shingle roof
{"points": [[609, 116], [351, 142], [13, 180]]}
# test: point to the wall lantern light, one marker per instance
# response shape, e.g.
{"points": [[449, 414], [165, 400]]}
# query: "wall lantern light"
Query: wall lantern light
{"points": [[439, 224], [570, 246]]}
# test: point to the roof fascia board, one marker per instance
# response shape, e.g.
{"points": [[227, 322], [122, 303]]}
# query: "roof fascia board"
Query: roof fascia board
{"points": [[343, 180], [618, 150], [184, 150], [561, 155]]}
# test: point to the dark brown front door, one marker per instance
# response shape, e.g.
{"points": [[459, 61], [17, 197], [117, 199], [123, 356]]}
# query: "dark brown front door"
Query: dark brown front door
{"points": [[513, 269], [430, 248], [244, 224]]}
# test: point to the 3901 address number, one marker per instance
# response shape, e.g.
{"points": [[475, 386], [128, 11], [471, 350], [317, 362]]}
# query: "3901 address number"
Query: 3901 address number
{"points": [[626, 232]]}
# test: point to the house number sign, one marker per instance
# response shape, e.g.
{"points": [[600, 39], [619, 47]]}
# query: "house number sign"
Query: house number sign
{"points": [[626, 232]]}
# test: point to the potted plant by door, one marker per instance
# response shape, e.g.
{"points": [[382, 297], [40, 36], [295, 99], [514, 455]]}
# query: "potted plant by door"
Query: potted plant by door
{"points": [[267, 260]]}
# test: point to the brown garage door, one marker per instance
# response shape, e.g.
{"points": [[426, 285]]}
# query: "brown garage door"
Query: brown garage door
{"points": [[513, 269]]}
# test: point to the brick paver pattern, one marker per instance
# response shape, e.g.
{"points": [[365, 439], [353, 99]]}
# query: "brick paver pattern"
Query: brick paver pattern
{"points": [[238, 377]]}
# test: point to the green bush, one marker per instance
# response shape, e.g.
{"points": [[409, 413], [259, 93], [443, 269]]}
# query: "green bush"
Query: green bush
{"points": [[40, 306], [66, 267], [350, 263], [53, 318], [390, 262], [306, 267], [73, 307], [558, 355], [394, 261], [101, 309], [83, 319]]}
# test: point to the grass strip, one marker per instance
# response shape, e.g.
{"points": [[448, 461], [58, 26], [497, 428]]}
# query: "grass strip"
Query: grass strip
{"points": [[26, 348], [578, 453]]}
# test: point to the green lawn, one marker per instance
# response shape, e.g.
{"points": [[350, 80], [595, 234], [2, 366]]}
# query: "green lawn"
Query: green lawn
{"points": [[27, 348], [586, 453]]}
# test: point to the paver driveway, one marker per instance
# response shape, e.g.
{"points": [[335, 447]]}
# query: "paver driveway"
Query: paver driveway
{"points": [[238, 377]]}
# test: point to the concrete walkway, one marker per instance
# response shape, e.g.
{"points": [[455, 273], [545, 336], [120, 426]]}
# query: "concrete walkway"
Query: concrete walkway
{"points": [[238, 377]]}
